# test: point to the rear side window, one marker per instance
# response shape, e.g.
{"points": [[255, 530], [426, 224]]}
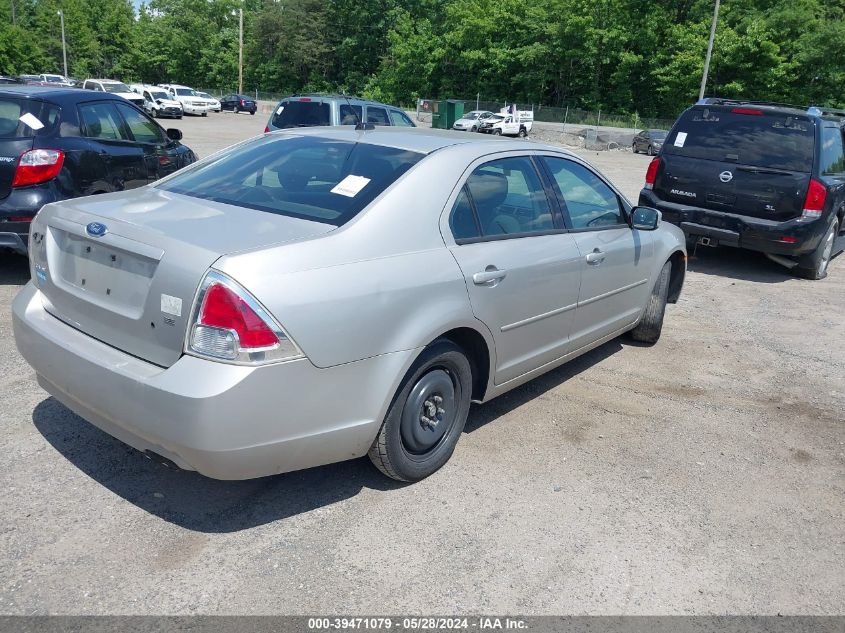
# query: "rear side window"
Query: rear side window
{"points": [[377, 116], [776, 141], [833, 158], [351, 114], [301, 114], [100, 120], [25, 118], [462, 220], [304, 177]]}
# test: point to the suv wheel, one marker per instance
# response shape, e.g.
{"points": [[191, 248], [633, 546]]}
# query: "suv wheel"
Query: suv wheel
{"points": [[819, 259], [427, 415]]}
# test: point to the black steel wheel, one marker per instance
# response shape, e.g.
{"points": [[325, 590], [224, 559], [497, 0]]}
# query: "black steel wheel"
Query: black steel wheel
{"points": [[427, 415]]}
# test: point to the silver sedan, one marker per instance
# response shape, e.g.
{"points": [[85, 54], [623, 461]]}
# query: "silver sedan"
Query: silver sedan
{"points": [[318, 295]]}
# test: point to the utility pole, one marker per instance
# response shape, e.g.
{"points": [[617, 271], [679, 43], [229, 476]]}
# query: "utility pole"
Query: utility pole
{"points": [[14, 22], [64, 46], [709, 51], [241, 51]]}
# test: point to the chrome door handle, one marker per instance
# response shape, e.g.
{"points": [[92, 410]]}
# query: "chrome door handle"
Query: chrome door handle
{"points": [[595, 258], [492, 274]]}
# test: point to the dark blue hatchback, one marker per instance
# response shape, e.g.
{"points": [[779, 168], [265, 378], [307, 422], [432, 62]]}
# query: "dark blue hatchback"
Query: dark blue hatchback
{"points": [[63, 143]]}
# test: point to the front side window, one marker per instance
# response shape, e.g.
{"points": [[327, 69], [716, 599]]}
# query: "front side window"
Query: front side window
{"points": [[587, 199], [100, 120], [833, 158], [142, 128], [304, 177], [400, 119], [507, 197]]}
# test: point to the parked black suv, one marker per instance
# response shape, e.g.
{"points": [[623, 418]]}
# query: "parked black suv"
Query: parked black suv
{"points": [[58, 143], [761, 176]]}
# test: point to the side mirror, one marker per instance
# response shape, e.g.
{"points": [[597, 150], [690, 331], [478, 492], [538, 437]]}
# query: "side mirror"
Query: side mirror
{"points": [[173, 134], [645, 218]]}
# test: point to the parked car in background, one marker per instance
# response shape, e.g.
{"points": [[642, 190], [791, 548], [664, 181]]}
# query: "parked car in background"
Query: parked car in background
{"points": [[238, 103], [9, 80], [649, 141], [313, 110], [472, 120], [59, 143], [114, 87], [158, 102], [510, 123], [317, 295], [191, 103], [56, 80], [760, 176], [29, 79], [212, 103]]}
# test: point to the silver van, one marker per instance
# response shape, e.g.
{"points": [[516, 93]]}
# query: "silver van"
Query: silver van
{"points": [[320, 110]]}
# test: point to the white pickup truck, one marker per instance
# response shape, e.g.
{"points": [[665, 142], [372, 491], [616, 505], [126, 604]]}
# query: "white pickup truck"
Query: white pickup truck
{"points": [[509, 122]]}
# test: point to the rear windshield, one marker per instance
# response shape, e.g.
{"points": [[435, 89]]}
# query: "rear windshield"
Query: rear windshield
{"points": [[776, 141], [116, 87], [301, 114], [304, 177], [24, 118]]}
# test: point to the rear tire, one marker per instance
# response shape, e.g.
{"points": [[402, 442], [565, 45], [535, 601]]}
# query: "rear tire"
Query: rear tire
{"points": [[634, 148], [650, 151], [205, 113], [437, 389], [497, 132], [252, 113], [649, 328], [523, 132], [819, 259], [236, 109]]}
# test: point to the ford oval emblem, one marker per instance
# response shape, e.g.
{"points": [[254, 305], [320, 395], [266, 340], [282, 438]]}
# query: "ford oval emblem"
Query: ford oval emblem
{"points": [[726, 176], [96, 229]]}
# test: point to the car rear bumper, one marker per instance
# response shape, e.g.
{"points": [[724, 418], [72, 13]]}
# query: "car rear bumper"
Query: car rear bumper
{"points": [[741, 231], [224, 421], [24, 202]]}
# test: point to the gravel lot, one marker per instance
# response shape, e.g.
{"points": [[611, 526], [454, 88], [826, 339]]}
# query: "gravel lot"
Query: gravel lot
{"points": [[703, 475]]}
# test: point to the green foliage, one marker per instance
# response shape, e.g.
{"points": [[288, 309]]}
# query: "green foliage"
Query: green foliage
{"points": [[641, 58]]}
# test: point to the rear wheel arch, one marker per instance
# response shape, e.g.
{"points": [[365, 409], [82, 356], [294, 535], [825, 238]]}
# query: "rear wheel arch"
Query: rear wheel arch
{"points": [[478, 351]]}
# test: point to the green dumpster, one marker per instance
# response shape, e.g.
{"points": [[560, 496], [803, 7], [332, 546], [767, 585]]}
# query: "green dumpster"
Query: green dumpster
{"points": [[445, 113]]}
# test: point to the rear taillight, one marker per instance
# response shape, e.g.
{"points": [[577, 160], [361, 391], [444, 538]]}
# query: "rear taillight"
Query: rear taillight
{"points": [[651, 173], [266, 129], [38, 165], [243, 103], [814, 202], [229, 324]]}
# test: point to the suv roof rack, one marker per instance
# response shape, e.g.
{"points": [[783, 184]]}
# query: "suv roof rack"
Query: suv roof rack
{"points": [[811, 110]]}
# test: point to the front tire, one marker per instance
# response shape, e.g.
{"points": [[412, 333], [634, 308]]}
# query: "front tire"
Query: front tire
{"points": [[523, 132], [427, 415], [497, 132], [649, 328], [474, 128], [634, 148], [205, 113], [236, 110], [819, 259], [650, 151]]}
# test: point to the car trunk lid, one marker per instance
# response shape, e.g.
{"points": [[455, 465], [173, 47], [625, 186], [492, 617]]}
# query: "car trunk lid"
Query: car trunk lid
{"points": [[124, 268], [744, 161]]}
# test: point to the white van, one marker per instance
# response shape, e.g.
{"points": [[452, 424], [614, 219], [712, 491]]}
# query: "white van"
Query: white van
{"points": [[158, 102]]}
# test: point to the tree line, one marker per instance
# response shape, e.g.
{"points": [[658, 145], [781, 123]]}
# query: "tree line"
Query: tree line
{"points": [[625, 56]]}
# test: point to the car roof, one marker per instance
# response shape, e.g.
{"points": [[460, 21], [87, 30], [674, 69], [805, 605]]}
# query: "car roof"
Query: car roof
{"points": [[56, 94], [341, 98], [422, 140]]}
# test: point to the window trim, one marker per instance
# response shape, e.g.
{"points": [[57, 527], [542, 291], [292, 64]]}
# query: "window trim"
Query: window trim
{"points": [[624, 207], [557, 217]]}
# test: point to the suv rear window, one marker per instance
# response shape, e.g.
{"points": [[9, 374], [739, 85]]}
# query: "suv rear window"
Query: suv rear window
{"points": [[301, 114], [304, 177], [11, 111], [777, 141]]}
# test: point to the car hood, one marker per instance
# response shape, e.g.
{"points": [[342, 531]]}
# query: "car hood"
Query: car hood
{"points": [[129, 96]]}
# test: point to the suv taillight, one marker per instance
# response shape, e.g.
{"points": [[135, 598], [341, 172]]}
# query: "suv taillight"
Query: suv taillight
{"points": [[229, 324], [651, 173], [37, 166], [814, 202]]}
